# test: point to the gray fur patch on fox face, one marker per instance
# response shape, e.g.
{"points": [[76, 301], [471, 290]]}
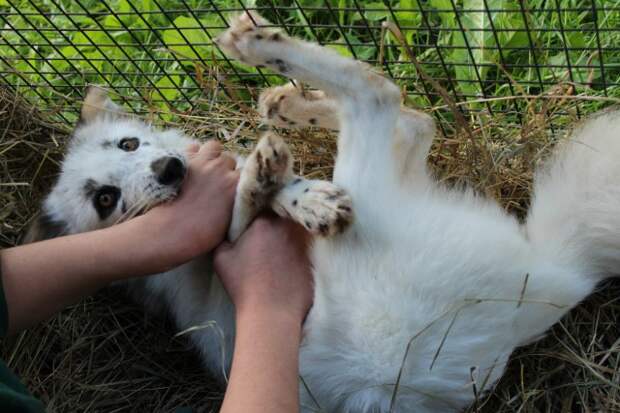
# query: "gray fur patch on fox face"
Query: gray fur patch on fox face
{"points": [[107, 174]]}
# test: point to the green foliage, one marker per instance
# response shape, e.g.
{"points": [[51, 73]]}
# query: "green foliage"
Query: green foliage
{"points": [[155, 56]]}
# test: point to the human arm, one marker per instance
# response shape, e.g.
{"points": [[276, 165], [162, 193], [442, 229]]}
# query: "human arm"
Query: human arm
{"points": [[268, 276], [44, 277]]}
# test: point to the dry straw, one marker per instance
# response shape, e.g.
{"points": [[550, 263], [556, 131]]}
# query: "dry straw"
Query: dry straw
{"points": [[105, 355]]}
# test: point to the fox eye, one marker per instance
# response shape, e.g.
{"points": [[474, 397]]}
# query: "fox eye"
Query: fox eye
{"points": [[105, 200], [129, 144]]}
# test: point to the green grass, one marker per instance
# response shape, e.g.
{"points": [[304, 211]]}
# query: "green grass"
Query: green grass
{"points": [[169, 67]]}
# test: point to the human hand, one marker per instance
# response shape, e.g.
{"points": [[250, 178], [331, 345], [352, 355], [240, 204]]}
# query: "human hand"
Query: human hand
{"points": [[267, 268], [197, 220]]}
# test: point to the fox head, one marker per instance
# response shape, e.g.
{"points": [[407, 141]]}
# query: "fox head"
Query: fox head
{"points": [[116, 166]]}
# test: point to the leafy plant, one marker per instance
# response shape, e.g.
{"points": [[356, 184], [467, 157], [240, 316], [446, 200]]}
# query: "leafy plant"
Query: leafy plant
{"points": [[158, 52]]}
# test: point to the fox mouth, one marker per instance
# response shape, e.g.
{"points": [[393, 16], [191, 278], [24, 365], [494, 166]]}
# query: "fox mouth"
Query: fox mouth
{"points": [[153, 197]]}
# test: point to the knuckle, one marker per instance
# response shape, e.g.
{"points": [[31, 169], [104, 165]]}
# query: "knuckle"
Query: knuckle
{"points": [[213, 164], [216, 163], [213, 145]]}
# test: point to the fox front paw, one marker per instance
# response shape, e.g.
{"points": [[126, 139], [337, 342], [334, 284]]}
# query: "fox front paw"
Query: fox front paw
{"points": [[273, 163], [289, 106], [273, 104], [249, 41], [323, 208]]}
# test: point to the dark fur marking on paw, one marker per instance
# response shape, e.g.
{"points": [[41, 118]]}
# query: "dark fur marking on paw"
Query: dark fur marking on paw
{"points": [[268, 163], [312, 121], [341, 224], [259, 161], [254, 197], [282, 66], [272, 111]]}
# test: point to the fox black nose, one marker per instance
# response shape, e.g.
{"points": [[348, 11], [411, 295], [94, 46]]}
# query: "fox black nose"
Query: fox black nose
{"points": [[168, 170]]}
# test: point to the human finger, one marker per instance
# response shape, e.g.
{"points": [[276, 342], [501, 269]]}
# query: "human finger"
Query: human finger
{"points": [[228, 161], [193, 148], [210, 150]]}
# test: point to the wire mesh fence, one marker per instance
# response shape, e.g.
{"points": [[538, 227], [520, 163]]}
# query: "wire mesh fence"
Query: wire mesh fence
{"points": [[502, 59], [159, 55]]}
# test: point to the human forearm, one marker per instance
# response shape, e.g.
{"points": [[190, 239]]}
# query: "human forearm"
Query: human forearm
{"points": [[264, 376], [268, 277], [42, 278]]}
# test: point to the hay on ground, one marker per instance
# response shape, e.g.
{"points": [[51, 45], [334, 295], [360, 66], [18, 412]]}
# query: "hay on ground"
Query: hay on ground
{"points": [[105, 355]]}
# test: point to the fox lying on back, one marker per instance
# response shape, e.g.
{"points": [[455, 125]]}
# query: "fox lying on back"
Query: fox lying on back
{"points": [[428, 283], [428, 288]]}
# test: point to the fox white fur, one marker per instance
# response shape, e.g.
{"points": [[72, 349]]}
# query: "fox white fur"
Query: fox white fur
{"points": [[423, 298], [192, 293]]}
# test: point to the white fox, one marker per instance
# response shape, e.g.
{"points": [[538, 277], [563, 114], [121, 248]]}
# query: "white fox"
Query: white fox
{"points": [[420, 301], [423, 299]]}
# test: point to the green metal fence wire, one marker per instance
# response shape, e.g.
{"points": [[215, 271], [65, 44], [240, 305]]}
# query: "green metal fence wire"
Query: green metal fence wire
{"points": [[159, 55]]}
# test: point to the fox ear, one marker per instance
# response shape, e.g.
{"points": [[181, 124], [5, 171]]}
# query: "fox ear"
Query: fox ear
{"points": [[44, 227], [97, 104]]}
